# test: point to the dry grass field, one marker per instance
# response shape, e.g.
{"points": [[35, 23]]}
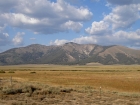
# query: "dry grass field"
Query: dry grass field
{"points": [[70, 85]]}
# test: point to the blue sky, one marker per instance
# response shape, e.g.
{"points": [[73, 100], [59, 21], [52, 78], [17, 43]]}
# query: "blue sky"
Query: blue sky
{"points": [[55, 22]]}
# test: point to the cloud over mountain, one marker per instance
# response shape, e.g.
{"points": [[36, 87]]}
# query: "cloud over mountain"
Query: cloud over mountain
{"points": [[115, 27], [60, 21], [18, 39]]}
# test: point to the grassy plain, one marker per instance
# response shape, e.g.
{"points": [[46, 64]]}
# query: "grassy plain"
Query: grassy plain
{"points": [[117, 77], [120, 79]]}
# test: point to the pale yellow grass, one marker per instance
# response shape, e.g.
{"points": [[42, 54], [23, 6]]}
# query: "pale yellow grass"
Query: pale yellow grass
{"points": [[113, 78]]}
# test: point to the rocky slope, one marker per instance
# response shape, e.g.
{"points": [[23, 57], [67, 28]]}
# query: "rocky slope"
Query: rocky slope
{"points": [[70, 53]]}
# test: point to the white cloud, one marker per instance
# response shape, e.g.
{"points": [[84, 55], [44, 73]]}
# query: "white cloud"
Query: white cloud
{"points": [[4, 39], [123, 17], [85, 40], [98, 28], [123, 2], [18, 20], [120, 38], [75, 26], [2, 28], [18, 39], [127, 35], [138, 31], [47, 17], [44, 16], [130, 39], [113, 28], [7, 5], [81, 40], [58, 42], [6, 35]]}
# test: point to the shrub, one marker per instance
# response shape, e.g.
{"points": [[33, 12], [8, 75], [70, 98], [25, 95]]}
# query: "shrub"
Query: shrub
{"points": [[11, 91], [28, 89], [2, 71], [33, 72], [66, 90], [23, 89], [53, 90], [11, 72]]}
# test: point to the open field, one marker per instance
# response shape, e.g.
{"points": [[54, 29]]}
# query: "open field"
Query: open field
{"points": [[119, 83]]}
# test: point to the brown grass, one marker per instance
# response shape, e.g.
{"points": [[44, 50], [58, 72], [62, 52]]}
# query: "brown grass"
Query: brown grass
{"points": [[70, 85], [115, 78]]}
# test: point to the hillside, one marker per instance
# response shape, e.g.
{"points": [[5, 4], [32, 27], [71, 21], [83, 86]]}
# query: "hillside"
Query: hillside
{"points": [[70, 53]]}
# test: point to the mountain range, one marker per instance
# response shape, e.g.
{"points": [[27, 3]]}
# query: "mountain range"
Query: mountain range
{"points": [[69, 54]]}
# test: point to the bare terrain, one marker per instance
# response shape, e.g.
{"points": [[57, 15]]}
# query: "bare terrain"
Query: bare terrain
{"points": [[69, 85], [70, 54]]}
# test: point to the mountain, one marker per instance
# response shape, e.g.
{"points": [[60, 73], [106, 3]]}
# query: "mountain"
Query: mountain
{"points": [[70, 53]]}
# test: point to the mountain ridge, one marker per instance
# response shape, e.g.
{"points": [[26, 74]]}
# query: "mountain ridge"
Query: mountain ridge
{"points": [[70, 53]]}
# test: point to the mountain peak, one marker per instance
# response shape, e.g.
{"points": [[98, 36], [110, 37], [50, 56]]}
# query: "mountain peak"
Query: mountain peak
{"points": [[71, 43], [70, 53], [35, 45]]}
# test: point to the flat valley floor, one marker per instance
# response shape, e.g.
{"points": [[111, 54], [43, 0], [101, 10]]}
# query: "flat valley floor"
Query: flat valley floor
{"points": [[70, 85]]}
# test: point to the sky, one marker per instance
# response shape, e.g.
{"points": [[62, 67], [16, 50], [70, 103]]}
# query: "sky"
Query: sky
{"points": [[55, 22]]}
